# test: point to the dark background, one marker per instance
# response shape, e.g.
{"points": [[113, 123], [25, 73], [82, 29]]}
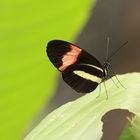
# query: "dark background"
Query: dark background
{"points": [[119, 20]]}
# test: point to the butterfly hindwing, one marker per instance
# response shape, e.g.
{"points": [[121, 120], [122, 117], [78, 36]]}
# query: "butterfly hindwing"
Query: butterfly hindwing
{"points": [[82, 77]]}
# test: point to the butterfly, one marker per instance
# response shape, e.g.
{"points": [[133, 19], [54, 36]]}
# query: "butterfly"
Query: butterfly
{"points": [[80, 70]]}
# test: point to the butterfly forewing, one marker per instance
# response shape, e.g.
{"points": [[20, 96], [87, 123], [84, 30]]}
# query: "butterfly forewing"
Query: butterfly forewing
{"points": [[56, 50], [80, 70]]}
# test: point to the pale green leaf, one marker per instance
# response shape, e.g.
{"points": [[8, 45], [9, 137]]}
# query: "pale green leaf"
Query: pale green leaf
{"points": [[81, 119]]}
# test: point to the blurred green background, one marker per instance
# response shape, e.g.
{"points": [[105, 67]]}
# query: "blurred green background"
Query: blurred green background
{"points": [[28, 81], [27, 78]]}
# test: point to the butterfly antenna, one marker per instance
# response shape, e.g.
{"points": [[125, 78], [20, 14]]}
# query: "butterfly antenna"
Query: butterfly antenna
{"points": [[117, 50], [107, 48]]}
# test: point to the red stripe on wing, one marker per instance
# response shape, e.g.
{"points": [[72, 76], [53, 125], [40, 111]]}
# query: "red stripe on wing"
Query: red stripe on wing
{"points": [[70, 57]]}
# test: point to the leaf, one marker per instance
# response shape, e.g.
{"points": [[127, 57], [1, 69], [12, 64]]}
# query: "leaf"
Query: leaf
{"points": [[27, 77], [81, 119], [127, 135]]}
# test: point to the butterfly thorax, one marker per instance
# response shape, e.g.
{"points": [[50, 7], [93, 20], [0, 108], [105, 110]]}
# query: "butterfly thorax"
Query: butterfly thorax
{"points": [[106, 68]]}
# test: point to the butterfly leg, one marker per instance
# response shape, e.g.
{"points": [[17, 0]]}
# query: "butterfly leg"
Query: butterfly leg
{"points": [[105, 90], [110, 76], [117, 80], [99, 90]]}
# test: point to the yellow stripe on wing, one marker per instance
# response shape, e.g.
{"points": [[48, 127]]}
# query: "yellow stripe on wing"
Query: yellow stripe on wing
{"points": [[87, 76], [98, 68]]}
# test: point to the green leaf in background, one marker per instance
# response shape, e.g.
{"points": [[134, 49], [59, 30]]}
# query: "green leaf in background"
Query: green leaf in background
{"points": [[127, 135], [27, 78], [81, 119]]}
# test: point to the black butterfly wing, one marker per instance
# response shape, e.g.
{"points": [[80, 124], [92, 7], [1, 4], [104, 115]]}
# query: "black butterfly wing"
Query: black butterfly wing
{"points": [[83, 74], [82, 77], [56, 49]]}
